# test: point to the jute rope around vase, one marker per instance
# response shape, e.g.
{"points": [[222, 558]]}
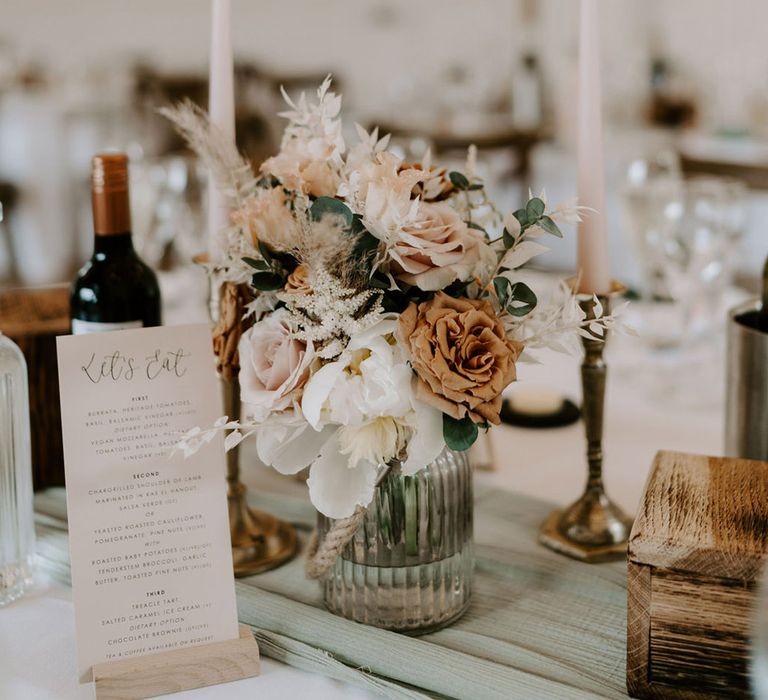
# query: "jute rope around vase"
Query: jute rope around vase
{"points": [[322, 555]]}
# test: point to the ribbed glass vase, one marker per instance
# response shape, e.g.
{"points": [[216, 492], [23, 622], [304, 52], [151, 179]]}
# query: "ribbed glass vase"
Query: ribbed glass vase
{"points": [[409, 565]]}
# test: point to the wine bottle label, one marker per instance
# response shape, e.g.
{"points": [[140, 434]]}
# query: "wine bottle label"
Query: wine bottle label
{"points": [[82, 327]]}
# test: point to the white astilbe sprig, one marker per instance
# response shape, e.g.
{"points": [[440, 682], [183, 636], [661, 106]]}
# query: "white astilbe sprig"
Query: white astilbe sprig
{"points": [[231, 173], [332, 313]]}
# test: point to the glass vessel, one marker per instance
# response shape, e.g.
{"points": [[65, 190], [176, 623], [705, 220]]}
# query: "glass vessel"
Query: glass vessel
{"points": [[17, 527], [687, 235], [409, 566]]}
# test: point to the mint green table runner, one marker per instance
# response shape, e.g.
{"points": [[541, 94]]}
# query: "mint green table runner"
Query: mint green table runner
{"points": [[540, 625]]}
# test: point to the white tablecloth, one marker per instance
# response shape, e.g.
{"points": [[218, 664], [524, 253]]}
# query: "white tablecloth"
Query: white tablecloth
{"points": [[37, 654]]}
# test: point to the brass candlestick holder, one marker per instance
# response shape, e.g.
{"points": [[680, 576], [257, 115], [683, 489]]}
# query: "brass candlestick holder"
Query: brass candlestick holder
{"points": [[260, 541], [593, 528]]}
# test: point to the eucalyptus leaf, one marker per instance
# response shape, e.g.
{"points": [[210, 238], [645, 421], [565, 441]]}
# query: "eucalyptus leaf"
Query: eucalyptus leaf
{"points": [[457, 288], [357, 226], [534, 209], [476, 186], [329, 205], [266, 253], [379, 283], [550, 226], [459, 181], [521, 216], [507, 238], [367, 245], [459, 435], [267, 281], [260, 265], [501, 285], [521, 300]]}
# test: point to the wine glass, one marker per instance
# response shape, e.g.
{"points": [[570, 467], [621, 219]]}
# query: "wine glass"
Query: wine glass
{"points": [[686, 234]]}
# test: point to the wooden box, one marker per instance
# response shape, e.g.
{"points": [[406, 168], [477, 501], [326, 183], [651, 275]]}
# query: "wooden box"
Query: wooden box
{"points": [[696, 551], [32, 318]]}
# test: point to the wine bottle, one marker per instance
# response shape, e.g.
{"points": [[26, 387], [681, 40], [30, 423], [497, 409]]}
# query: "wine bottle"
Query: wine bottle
{"points": [[114, 289]]}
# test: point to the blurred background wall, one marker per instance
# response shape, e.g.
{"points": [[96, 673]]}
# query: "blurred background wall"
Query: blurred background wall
{"points": [[684, 79], [385, 47]]}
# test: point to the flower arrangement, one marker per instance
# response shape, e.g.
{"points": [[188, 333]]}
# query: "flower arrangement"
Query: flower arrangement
{"points": [[385, 310]]}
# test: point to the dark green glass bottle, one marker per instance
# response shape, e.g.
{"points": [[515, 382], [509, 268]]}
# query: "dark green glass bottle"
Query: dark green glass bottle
{"points": [[115, 289]]}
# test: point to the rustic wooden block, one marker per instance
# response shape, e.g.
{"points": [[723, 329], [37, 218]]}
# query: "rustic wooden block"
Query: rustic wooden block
{"points": [[696, 550], [33, 318], [174, 671]]}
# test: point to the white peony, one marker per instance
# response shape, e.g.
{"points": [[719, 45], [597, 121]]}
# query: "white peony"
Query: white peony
{"points": [[360, 413]]}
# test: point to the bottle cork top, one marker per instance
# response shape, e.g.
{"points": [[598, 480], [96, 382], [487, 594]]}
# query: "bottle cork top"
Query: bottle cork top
{"points": [[109, 193]]}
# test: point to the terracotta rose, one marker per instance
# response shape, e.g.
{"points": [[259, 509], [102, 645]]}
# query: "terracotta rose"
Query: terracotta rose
{"points": [[298, 281], [461, 355]]}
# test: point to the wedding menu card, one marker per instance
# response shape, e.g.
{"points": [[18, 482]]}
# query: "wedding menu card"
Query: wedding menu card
{"points": [[148, 529]]}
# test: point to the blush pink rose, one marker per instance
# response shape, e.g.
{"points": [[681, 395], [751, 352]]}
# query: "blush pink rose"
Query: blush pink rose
{"points": [[437, 249], [274, 366]]}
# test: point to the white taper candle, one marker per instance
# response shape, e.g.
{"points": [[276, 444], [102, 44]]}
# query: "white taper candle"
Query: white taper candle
{"points": [[221, 107], [592, 261]]}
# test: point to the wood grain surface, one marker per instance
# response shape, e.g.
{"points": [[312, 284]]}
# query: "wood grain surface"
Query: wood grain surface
{"points": [[695, 552], [703, 514], [540, 626], [182, 669], [638, 627]]}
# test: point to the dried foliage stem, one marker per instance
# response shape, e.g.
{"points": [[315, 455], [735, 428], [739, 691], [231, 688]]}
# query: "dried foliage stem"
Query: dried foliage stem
{"points": [[231, 172]]}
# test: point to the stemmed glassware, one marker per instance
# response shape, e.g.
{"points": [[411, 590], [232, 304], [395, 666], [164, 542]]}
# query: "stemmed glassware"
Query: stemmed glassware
{"points": [[686, 235]]}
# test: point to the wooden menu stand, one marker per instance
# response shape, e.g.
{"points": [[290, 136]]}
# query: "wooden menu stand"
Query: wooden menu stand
{"points": [[181, 669]]}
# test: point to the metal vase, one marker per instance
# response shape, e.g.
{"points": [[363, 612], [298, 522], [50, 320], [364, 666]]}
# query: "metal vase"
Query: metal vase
{"points": [[746, 413], [409, 566]]}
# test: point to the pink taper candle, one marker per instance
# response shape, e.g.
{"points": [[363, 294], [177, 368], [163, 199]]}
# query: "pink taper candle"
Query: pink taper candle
{"points": [[592, 262], [221, 107]]}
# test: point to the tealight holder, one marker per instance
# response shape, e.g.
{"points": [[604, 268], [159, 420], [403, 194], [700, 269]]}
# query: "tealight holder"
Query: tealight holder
{"points": [[593, 528]]}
